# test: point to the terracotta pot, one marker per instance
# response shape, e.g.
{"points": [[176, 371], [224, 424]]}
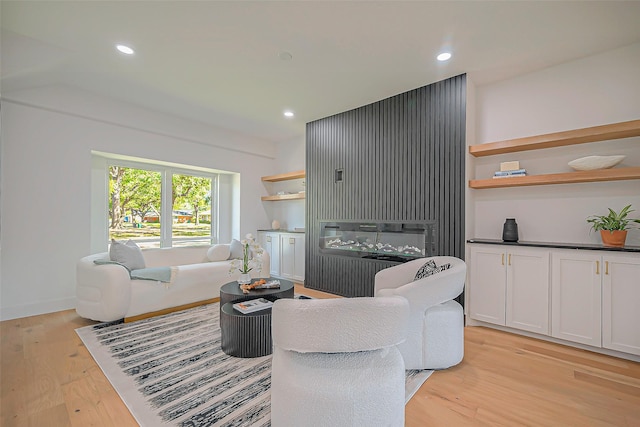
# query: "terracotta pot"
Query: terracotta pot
{"points": [[614, 238]]}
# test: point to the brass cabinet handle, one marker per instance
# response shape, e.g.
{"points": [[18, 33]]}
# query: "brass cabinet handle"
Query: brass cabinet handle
{"points": [[502, 262], [597, 267], [509, 262], [606, 268]]}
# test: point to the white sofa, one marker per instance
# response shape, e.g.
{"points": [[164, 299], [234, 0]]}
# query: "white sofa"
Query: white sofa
{"points": [[106, 292]]}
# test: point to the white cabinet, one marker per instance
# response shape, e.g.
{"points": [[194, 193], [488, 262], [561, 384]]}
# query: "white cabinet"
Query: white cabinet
{"points": [[287, 253], [595, 299], [487, 284], [292, 256], [585, 296], [576, 296], [620, 303], [270, 242], [509, 286]]}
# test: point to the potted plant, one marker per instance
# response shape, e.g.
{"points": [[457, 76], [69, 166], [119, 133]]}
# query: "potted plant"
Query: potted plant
{"points": [[613, 226]]}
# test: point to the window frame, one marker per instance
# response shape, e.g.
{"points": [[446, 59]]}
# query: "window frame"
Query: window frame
{"points": [[166, 239]]}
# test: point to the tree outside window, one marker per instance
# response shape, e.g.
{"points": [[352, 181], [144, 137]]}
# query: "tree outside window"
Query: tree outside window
{"points": [[136, 210]]}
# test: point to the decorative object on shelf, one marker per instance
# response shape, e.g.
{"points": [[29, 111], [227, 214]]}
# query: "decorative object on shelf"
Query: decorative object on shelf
{"points": [[613, 226], [509, 166], [559, 139], [510, 230], [275, 224], [511, 173], [590, 163], [251, 258], [510, 169]]}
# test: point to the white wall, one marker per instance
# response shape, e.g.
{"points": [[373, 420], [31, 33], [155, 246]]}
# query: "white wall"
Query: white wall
{"points": [[290, 157], [47, 139], [592, 91]]}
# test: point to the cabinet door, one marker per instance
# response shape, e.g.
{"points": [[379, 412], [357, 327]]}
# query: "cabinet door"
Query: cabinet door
{"points": [[576, 297], [620, 299], [298, 270], [527, 298], [292, 256], [487, 284], [270, 242], [287, 256]]}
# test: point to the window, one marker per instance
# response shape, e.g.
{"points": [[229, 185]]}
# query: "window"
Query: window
{"points": [[159, 206]]}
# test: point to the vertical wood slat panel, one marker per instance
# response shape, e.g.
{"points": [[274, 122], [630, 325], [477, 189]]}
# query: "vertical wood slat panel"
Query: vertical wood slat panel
{"points": [[403, 159]]}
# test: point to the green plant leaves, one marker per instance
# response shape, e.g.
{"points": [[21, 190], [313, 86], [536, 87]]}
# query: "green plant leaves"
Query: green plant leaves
{"points": [[612, 221]]}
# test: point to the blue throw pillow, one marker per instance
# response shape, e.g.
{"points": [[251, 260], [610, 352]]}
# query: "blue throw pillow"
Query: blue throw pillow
{"points": [[127, 254]]}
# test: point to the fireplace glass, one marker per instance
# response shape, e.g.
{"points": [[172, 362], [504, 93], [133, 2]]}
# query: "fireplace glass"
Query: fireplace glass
{"points": [[390, 241]]}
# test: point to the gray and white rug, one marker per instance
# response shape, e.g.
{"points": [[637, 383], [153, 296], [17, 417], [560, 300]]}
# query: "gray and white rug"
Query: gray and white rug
{"points": [[170, 371]]}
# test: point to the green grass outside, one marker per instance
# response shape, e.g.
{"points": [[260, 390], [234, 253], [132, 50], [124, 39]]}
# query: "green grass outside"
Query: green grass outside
{"points": [[151, 230]]}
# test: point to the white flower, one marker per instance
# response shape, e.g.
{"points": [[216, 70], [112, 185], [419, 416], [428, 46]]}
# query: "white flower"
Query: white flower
{"points": [[248, 262]]}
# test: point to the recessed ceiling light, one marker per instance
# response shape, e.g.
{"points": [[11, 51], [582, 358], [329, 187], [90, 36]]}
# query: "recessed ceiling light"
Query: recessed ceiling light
{"points": [[444, 56], [125, 49], [288, 113]]}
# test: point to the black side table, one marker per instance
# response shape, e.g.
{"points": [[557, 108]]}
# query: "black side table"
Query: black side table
{"points": [[248, 335], [245, 335]]}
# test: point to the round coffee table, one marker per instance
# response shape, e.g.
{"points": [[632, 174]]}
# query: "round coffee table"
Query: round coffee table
{"points": [[248, 335], [231, 292]]}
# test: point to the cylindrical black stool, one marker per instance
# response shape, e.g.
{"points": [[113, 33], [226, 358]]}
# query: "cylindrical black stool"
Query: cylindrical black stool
{"points": [[245, 335]]}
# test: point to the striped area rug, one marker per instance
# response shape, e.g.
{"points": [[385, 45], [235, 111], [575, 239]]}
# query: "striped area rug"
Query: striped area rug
{"points": [[170, 371]]}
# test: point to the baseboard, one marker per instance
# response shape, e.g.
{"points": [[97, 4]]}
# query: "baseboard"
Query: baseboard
{"points": [[600, 350], [36, 309], [169, 310]]}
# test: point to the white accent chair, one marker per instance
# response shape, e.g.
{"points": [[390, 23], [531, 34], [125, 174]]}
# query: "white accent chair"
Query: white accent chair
{"points": [[435, 338], [335, 362]]}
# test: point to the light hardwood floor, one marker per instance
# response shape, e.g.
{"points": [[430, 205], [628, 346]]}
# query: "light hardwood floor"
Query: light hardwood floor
{"points": [[48, 378]]}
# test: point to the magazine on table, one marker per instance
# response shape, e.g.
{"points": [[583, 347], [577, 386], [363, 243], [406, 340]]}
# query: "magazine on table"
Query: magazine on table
{"points": [[246, 307]]}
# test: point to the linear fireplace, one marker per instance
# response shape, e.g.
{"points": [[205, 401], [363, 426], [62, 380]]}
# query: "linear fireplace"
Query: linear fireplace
{"points": [[386, 241]]}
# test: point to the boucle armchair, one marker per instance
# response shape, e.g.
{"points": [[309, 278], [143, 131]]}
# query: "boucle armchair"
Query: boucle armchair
{"points": [[335, 362], [435, 337]]}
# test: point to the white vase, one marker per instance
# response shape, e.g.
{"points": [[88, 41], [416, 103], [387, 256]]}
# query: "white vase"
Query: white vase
{"points": [[244, 279]]}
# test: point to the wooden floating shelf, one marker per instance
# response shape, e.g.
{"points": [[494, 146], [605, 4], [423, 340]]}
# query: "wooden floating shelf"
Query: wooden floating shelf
{"points": [[284, 197], [559, 139], [619, 174], [284, 176]]}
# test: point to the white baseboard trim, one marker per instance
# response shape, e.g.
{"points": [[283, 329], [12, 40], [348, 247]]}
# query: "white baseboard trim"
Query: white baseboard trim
{"points": [[43, 307], [614, 353]]}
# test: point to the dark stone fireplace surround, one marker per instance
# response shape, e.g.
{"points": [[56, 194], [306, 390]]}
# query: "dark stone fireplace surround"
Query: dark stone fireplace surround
{"points": [[399, 160]]}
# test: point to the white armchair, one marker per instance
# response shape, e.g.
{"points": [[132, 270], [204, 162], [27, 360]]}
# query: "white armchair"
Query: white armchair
{"points": [[335, 362], [435, 336]]}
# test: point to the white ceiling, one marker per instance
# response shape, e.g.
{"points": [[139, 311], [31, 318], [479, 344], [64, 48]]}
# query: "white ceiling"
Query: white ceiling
{"points": [[218, 62]]}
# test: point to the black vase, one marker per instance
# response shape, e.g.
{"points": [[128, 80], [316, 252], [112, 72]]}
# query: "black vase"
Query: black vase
{"points": [[510, 230]]}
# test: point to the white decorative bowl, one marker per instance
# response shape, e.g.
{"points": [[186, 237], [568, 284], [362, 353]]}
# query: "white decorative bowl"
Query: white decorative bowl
{"points": [[590, 163]]}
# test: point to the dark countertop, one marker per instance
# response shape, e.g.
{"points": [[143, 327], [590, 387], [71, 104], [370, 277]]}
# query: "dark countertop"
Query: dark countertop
{"points": [[583, 246]]}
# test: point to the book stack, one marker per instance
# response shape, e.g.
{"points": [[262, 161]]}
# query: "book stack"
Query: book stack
{"points": [[246, 307], [510, 169]]}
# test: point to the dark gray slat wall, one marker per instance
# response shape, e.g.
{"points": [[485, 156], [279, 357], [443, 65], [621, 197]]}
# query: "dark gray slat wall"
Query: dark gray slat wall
{"points": [[403, 160]]}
